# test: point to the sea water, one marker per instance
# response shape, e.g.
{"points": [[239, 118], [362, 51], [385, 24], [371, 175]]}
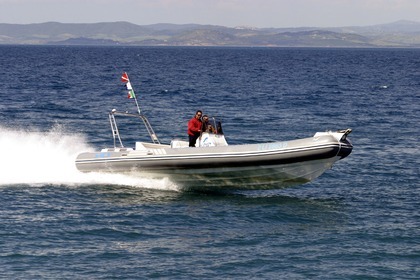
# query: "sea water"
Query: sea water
{"points": [[359, 220]]}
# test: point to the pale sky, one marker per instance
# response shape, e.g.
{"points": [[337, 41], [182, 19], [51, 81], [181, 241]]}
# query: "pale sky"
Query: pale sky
{"points": [[255, 13]]}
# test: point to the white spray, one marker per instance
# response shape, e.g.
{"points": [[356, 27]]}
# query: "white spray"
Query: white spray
{"points": [[38, 158]]}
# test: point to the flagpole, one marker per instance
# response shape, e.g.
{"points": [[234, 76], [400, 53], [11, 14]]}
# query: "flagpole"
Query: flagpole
{"points": [[127, 82], [132, 94], [137, 104]]}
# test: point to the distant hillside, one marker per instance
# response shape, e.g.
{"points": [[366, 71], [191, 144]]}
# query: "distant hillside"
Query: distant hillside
{"points": [[398, 34]]}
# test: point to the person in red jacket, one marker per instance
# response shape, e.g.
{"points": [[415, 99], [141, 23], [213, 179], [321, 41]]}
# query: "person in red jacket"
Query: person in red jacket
{"points": [[194, 128]]}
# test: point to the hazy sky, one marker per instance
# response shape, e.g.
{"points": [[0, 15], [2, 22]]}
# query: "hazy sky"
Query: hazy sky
{"points": [[257, 13]]}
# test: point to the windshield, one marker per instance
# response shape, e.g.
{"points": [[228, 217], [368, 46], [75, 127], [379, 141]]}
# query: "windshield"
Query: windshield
{"points": [[212, 125]]}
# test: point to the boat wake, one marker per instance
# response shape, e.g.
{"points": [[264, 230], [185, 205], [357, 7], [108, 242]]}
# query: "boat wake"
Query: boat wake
{"points": [[38, 158]]}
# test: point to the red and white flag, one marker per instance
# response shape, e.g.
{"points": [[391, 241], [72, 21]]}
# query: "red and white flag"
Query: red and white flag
{"points": [[124, 78]]}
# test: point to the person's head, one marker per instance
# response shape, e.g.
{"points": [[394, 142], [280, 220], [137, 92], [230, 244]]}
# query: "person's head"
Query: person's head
{"points": [[205, 118], [198, 114]]}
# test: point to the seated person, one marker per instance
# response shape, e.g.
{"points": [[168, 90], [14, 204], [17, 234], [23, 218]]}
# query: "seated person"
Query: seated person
{"points": [[207, 127]]}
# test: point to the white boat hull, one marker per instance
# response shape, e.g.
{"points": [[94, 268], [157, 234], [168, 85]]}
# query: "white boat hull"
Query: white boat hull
{"points": [[255, 166], [247, 178]]}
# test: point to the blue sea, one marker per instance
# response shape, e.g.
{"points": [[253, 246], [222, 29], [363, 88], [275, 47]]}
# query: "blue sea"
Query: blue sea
{"points": [[359, 220]]}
